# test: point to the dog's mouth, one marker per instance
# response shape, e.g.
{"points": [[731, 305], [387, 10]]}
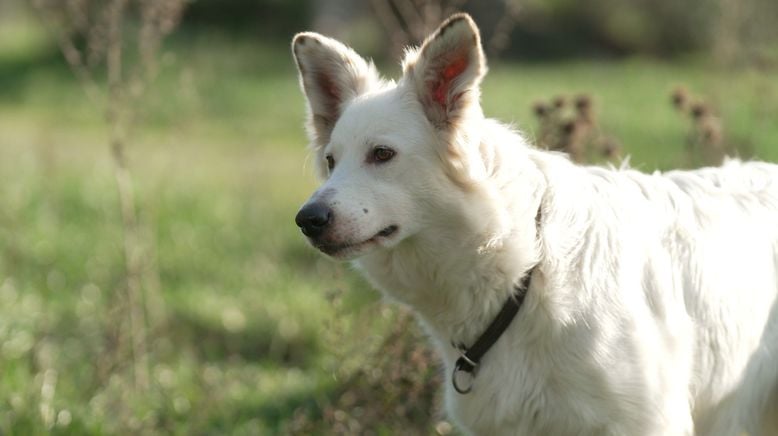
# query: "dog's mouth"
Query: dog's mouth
{"points": [[385, 233], [352, 248]]}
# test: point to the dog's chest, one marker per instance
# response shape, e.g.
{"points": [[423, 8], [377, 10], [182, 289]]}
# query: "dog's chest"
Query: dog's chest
{"points": [[524, 391], [510, 408]]}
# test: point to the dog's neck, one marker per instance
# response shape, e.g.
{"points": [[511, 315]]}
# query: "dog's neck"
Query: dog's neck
{"points": [[457, 296]]}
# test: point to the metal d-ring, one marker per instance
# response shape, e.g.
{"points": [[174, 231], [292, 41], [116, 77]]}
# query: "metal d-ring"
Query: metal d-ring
{"points": [[456, 383]]}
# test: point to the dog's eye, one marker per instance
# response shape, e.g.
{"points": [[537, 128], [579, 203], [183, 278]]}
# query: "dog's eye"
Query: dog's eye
{"points": [[330, 162], [382, 154]]}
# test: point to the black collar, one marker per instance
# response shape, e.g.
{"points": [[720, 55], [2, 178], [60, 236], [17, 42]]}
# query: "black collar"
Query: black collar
{"points": [[471, 357]]}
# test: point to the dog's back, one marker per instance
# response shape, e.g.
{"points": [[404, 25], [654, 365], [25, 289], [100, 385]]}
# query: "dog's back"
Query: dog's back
{"points": [[718, 228], [686, 264], [738, 322]]}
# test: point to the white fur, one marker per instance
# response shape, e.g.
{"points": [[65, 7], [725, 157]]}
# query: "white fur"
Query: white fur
{"points": [[652, 310]]}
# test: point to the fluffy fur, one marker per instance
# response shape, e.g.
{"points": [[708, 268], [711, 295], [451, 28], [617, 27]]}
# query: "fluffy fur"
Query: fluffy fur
{"points": [[652, 310]]}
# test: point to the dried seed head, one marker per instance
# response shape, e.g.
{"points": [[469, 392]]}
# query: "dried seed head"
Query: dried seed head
{"points": [[540, 109], [611, 149], [711, 132], [680, 98], [584, 108], [569, 127], [583, 102], [700, 110]]}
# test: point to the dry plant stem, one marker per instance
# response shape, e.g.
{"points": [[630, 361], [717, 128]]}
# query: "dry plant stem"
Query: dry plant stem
{"points": [[133, 264], [132, 247], [116, 118], [100, 24], [727, 43], [413, 19], [502, 30], [408, 21], [391, 23], [433, 13], [73, 57], [454, 5]]}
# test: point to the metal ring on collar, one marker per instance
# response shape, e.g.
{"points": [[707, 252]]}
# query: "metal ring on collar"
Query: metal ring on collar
{"points": [[457, 386]]}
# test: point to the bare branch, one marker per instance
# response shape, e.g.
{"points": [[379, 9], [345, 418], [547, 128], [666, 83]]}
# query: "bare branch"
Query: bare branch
{"points": [[388, 19], [502, 31], [93, 34], [417, 26], [73, 56]]}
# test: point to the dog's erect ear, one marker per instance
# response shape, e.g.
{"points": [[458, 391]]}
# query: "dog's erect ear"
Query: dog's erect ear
{"points": [[447, 71], [331, 74]]}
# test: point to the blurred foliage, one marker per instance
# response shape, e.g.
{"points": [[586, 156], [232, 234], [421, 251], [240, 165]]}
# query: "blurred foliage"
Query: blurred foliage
{"points": [[737, 30], [617, 27], [660, 27], [275, 19], [542, 29]]}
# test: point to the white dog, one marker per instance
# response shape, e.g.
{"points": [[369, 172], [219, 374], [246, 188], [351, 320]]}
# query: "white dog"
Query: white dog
{"points": [[651, 300]]}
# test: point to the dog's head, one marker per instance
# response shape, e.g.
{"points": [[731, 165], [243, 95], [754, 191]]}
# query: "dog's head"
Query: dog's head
{"points": [[389, 153]]}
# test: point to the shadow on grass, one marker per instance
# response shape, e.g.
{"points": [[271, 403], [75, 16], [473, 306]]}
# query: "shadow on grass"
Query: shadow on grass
{"points": [[257, 342], [16, 72], [276, 414]]}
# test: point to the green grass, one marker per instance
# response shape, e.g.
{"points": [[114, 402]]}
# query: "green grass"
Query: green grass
{"points": [[257, 324]]}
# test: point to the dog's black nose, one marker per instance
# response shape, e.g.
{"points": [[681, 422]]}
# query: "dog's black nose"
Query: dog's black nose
{"points": [[313, 219]]}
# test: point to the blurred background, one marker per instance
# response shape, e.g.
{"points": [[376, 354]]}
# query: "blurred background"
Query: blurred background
{"points": [[152, 158]]}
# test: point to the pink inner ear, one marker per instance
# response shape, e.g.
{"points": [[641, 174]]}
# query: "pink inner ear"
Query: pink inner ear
{"points": [[327, 86], [449, 73], [330, 91]]}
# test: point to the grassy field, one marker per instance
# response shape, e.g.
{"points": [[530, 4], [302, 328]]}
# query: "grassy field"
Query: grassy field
{"points": [[258, 332]]}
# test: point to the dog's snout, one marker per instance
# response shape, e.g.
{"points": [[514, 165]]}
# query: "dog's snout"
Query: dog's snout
{"points": [[313, 219]]}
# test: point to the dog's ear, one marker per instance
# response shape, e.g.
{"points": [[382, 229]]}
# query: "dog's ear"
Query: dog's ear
{"points": [[447, 71], [331, 74]]}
